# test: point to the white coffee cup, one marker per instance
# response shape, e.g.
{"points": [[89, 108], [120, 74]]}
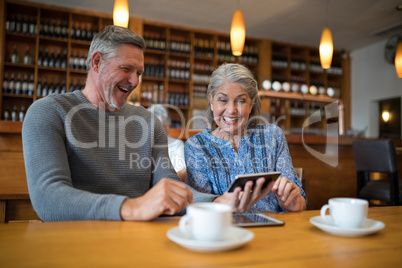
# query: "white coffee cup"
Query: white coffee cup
{"points": [[346, 212], [206, 221]]}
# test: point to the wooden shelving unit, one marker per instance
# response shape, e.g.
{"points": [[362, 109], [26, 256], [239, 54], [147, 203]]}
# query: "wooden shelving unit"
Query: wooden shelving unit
{"points": [[178, 63]]}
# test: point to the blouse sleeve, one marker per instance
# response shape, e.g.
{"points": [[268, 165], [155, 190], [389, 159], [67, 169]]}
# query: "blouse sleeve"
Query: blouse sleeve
{"points": [[197, 167]]}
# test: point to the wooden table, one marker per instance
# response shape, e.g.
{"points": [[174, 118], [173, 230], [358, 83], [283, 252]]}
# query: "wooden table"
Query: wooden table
{"points": [[145, 244]]}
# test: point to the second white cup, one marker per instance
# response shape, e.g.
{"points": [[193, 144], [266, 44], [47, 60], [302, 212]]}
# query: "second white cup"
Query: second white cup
{"points": [[346, 212], [206, 221]]}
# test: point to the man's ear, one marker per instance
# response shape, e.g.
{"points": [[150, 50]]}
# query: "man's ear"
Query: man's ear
{"points": [[96, 61]]}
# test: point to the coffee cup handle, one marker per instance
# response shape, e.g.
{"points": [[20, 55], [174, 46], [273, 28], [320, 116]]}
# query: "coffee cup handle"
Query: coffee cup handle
{"points": [[184, 224], [323, 212]]}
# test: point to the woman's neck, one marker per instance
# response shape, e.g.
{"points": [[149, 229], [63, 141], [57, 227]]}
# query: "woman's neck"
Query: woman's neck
{"points": [[232, 137]]}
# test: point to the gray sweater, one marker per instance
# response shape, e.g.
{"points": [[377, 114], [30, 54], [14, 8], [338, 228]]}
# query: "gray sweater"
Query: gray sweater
{"points": [[82, 163]]}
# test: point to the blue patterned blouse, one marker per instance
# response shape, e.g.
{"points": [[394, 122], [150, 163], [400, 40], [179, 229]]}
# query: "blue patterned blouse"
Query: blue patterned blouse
{"points": [[212, 163]]}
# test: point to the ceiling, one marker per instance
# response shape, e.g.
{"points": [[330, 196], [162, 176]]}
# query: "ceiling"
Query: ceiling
{"points": [[354, 23]]}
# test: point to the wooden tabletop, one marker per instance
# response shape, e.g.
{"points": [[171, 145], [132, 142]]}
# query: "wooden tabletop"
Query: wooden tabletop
{"points": [[145, 244]]}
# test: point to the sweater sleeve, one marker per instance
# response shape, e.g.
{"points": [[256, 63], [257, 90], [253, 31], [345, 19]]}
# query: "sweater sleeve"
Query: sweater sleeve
{"points": [[163, 167], [48, 173]]}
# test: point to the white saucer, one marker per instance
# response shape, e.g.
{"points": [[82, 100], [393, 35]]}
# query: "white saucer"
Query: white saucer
{"points": [[369, 227], [235, 238]]}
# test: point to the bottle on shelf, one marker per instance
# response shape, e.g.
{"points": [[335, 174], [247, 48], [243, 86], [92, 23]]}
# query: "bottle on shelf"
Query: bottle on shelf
{"points": [[57, 29], [42, 26], [24, 86], [57, 87], [163, 42], [17, 85], [57, 62], [7, 114], [31, 85], [21, 114], [160, 93], [32, 25], [14, 55], [155, 94], [63, 87], [71, 89], [5, 83], [72, 32], [45, 88], [82, 61], [89, 33], [12, 23], [14, 114], [77, 31], [83, 33], [52, 27], [8, 22], [51, 87], [40, 57], [71, 60], [64, 29], [64, 59], [46, 27], [45, 60], [52, 59], [18, 24], [76, 61], [25, 25], [27, 56], [11, 84], [39, 88]]}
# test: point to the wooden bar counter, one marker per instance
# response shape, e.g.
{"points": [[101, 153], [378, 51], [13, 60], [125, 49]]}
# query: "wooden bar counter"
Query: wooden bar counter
{"points": [[322, 181], [144, 244]]}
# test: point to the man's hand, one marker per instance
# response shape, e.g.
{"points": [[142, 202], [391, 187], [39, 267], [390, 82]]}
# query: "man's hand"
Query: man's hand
{"points": [[242, 201], [166, 197]]}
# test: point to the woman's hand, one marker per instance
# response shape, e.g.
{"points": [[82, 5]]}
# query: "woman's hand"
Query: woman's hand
{"points": [[289, 195], [242, 201]]}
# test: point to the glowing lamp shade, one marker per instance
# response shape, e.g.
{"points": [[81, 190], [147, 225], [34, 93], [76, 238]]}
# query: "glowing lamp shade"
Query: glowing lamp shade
{"points": [[398, 59], [385, 116], [326, 48], [120, 13], [237, 33]]}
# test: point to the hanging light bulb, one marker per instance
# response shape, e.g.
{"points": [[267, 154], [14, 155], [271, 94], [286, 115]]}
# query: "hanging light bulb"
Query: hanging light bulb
{"points": [[398, 59], [326, 44], [237, 33], [398, 53], [326, 48], [120, 13]]}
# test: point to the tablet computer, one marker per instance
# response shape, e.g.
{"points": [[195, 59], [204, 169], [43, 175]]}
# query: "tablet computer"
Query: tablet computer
{"points": [[255, 220], [240, 180]]}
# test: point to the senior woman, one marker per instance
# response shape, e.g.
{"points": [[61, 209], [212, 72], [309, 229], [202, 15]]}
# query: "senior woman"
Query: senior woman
{"points": [[239, 145]]}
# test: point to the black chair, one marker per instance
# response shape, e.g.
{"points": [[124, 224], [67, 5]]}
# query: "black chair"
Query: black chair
{"points": [[377, 156]]}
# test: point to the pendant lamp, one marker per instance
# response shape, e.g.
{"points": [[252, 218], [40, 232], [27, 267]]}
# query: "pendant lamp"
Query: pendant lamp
{"points": [[398, 59], [237, 33], [398, 54], [326, 44], [120, 13], [326, 48]]}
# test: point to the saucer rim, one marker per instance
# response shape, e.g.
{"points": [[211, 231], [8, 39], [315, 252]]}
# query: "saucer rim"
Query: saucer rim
{"points": [[211, 246], [330, 228]]}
